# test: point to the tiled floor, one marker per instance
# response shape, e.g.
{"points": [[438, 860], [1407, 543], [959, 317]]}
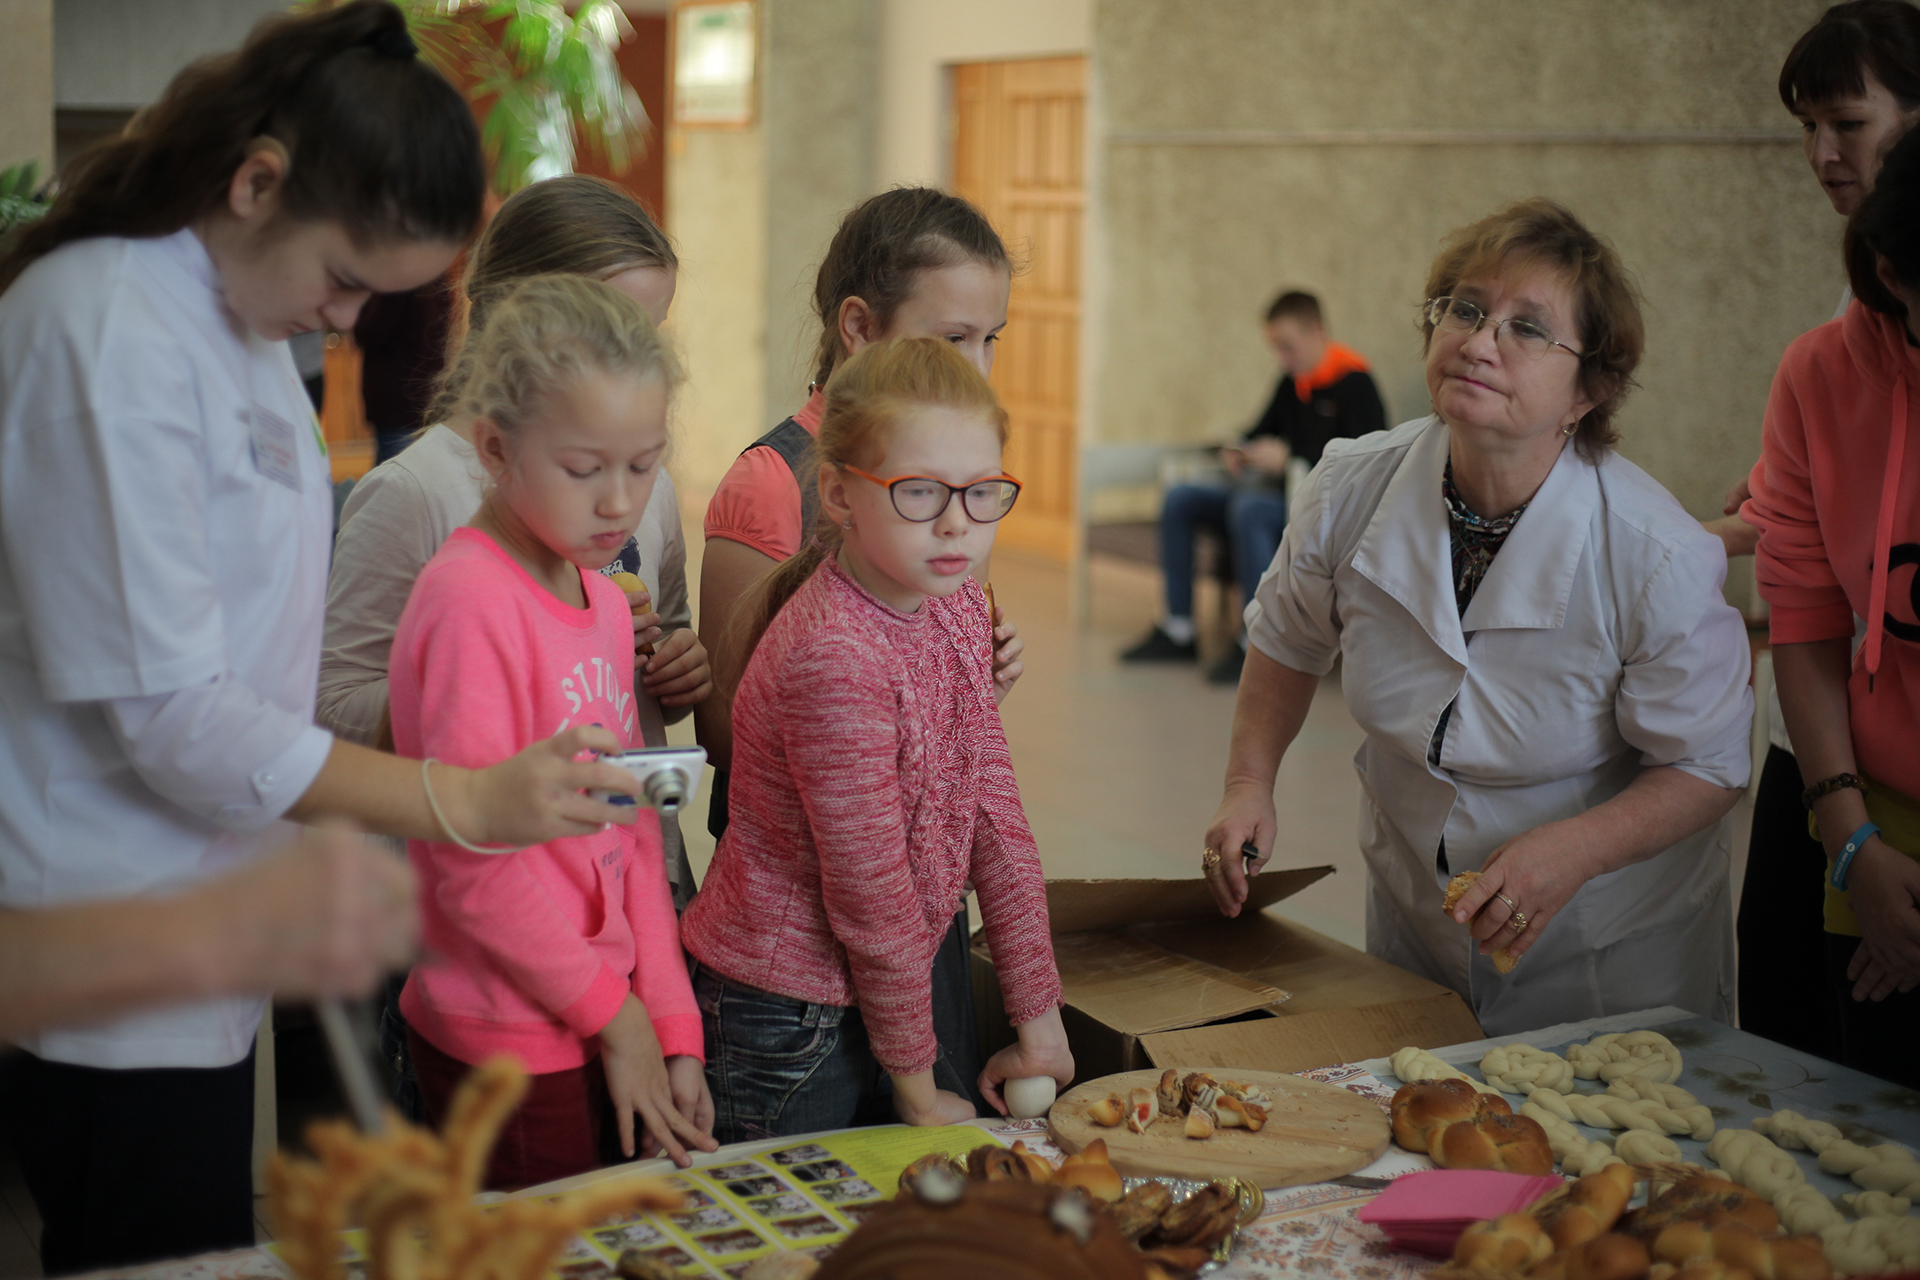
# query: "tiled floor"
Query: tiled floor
{"points": [[1120, 768]]}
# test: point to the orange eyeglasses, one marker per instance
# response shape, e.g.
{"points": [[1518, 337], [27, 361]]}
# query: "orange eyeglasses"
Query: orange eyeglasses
{"points": [[922, 498]]}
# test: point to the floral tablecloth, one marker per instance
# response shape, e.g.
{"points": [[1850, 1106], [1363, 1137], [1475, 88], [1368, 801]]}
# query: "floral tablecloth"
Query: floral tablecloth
{"points": [[1305, 1230]]}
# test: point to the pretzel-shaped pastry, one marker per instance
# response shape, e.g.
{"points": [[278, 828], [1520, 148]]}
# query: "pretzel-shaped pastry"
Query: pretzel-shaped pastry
{"points": [[1630, 1053], [1521, 1068]]}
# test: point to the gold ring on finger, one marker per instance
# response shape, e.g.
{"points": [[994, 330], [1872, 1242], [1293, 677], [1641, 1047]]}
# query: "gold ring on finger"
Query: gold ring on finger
{"points": [[1209, 859]]}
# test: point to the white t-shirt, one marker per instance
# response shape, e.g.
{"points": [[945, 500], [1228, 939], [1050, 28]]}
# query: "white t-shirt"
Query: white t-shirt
{"points": [[394, 520], [165, 511]]}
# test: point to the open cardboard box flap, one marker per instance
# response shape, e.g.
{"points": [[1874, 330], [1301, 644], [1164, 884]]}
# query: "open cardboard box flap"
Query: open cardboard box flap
{"points": [[1114, 968], [1075, 906]]}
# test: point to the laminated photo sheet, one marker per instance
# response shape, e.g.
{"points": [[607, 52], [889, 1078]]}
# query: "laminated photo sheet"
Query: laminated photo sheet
{"points": [[803, 1196]]}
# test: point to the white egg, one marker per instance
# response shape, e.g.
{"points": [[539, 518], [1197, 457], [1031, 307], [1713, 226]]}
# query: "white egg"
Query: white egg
{"points": [[1028, 1098]]}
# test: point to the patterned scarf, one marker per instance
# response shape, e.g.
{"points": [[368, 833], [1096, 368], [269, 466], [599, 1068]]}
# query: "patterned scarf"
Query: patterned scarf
{"points": [[1475, 541]]}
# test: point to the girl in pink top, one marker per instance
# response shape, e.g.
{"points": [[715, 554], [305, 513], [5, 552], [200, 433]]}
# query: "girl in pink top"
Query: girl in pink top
{"points": [[564, 954], [871, 780]]}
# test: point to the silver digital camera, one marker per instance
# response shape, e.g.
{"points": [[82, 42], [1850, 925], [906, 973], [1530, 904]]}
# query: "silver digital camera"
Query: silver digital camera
{"points": [[665, 777]]}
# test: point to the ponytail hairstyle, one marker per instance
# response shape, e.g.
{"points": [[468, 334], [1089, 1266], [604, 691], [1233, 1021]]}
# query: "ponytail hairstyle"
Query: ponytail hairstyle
{"points": [[883, 245], [1887, 225], [574, 225], [547, 331], [1851, 41], [866, 396], [378, 141]]}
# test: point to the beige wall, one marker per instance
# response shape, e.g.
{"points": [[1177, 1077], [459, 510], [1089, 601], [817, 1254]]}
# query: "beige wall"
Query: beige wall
{"points": [[1732, 242], [26, 72], [750, 211], [920, 39]]}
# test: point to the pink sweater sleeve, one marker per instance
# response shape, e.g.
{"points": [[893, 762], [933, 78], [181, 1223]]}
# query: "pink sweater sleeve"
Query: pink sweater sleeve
{"points": [[469, 661], [660, 979], [1013, 899], [1793, 567], [840, 730]]}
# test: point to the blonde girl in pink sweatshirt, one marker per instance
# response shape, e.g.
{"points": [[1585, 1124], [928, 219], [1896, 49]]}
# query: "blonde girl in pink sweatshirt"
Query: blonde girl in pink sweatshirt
{"points": [[565, 954]]}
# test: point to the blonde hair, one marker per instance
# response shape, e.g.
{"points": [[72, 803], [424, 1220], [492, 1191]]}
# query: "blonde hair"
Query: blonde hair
{"points": [[866, 397], [547, 331], [573, 225]]}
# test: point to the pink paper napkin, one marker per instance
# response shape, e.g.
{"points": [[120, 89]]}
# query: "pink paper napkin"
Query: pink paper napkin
{"points": [[1425, 1212]]}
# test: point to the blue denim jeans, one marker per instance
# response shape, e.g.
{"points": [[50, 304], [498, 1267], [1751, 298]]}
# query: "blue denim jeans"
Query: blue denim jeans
{"points": [[1250, 519], [779, 1067]]}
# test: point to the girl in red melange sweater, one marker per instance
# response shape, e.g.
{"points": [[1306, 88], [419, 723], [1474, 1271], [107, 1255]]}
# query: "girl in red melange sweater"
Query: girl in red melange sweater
{"points": [[871, 781]]}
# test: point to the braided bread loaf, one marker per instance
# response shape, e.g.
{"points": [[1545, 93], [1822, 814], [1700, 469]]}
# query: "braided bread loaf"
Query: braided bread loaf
{"points": [[1741, 1247], [1877, 1204], [1503, 1246], [1608, 1257], [1643, 1146], [1873, 1246], [1610, 1111], [1749, 1159], [1888, 1167], [1703, 1199], [1630, 1053], [1521, 1068], [1584, 1210], [1464, 1129], [1578, 1156]]}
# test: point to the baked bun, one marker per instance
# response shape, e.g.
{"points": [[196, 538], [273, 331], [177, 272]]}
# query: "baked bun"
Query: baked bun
{"points": [[1420, 1111], [1515, 1144], [1587, 1209], [1018, 1230], [1606, 1257], [1509, 1243]]}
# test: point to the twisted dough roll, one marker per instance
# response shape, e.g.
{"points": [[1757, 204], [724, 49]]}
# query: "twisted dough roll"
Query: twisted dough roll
{"points": [[1647, 1054], [1577, 1155], [1755, 1163], [1643, 1146], [1414, 1065], [1873, 1246], [1641, 1089], [1888, 1167], [1607, 1111], [1794, 1131], [1521, 1068], [1806, 1208], [1876, 1204], [1581, 1211]]}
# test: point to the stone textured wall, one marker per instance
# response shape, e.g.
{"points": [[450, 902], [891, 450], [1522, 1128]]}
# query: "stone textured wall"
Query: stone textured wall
{"points": [[26, 69], [1346, 192]]}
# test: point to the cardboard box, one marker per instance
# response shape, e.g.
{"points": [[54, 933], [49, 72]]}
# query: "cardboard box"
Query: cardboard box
{"points": [[1156, 976]]}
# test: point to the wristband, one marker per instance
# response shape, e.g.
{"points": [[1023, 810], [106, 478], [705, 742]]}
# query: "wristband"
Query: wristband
{"points": [[1844, 861]]}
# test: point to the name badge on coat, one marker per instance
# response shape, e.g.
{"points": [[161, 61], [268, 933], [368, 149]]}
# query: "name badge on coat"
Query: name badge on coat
{"points": [[276, 447]]}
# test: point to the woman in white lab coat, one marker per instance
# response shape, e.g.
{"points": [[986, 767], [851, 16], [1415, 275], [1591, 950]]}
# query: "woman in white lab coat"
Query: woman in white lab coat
{"points": [[1553, 690]]}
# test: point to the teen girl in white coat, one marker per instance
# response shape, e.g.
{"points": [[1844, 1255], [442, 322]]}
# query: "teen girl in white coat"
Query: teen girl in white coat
{"points": [[1567, 712]]}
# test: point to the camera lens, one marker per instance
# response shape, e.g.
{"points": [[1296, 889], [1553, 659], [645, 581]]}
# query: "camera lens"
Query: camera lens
{"points": [[667, 789]]}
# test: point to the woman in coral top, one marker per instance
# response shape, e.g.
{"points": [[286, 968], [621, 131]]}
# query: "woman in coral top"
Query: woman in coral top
{"points": [[871, 781], [1838, 509]]}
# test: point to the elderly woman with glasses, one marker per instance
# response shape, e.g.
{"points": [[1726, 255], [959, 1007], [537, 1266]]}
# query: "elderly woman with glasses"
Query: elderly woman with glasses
{"points": [[1554, 692]]}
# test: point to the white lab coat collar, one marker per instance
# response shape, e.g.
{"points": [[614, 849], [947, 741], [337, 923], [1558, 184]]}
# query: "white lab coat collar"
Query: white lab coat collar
{"points": [[1407, 549]]}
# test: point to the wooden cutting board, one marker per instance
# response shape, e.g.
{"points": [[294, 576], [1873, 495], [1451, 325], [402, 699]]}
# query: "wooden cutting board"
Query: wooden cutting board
{"points": [[1315, 1132]]}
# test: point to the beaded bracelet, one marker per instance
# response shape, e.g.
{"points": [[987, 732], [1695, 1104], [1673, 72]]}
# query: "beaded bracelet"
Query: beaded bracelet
{"points": [[1827, 786], [1843, 863]]}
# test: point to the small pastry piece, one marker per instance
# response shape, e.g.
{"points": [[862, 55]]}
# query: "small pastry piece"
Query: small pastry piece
{"points": [[1141, 1209], [1507, 1244], [1199, 1124], [1171, 1098], [1503, 959], [1143, 1108], [1109, 1111], [1092, 1171], [1196, 1083], [1231, 1113], [1201, 1221], [935, 1178], [997, 1164], [1037, 1166], [1248, 1093]]}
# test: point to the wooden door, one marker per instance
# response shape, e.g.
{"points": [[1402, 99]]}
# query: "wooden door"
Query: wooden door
{"points": [[1018, 154]]}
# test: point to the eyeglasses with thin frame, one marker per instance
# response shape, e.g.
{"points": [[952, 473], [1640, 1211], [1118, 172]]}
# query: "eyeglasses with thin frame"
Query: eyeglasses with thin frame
{"points": [[1457, 315], [920, 499]]}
